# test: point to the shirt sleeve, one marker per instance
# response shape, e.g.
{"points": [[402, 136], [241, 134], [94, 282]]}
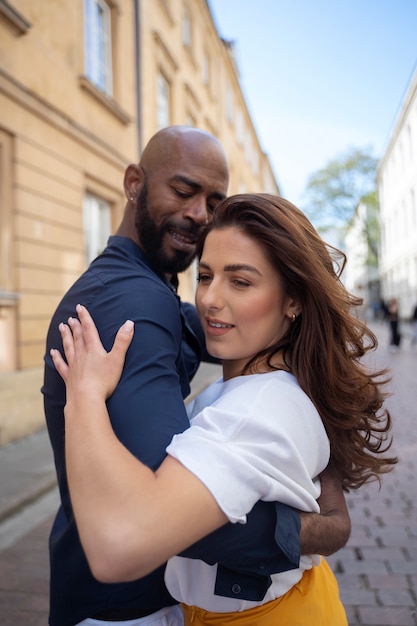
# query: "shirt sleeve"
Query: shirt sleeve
{"points": [[267, 544], [263, 442], [147, 407]]}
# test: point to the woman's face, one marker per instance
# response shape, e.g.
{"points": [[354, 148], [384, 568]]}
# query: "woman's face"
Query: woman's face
{"points": [[240, 299]]}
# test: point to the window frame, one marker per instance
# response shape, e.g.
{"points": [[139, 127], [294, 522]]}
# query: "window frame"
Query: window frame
{"points": [[98, 44], [163, 101], [97, 222]]}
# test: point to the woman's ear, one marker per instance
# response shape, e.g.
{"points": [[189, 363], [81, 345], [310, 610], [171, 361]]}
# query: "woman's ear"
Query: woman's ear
{"points": [[294, 308]]}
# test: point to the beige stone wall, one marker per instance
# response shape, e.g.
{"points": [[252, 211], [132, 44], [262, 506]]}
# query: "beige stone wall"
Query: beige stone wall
{"points": [[60, 137], [62, 140], [21, 404]]}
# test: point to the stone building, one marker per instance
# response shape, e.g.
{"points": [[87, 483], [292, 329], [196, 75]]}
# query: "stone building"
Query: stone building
{"points": [[361, 274], [83, 85], [397, 187]]}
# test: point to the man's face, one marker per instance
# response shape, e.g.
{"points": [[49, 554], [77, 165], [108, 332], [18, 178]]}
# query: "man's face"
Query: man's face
{"points": [[176, 201], [152, 240]]}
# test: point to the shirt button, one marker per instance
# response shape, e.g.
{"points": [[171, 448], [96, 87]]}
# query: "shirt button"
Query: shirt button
{"points": [[236, 589], [261, 565]]}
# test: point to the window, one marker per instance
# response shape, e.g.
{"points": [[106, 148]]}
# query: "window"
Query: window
{"points": [[229, 103], [97, 225], [239, 127], [206, 69], [413, 209], [410, 143], [186, 29], [190, 120], [162, 102], [98, 57]]}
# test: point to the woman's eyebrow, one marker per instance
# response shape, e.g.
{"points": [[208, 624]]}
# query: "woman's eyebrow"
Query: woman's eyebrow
{"points": [[236, 267], [233, 267]]}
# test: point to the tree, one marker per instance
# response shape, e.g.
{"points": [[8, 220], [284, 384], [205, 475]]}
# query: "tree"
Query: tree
{"points": [[334, 192], [371, 228]]}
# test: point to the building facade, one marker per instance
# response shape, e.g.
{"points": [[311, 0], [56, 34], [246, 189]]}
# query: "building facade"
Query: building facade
{"points": [[83, 85], [361, 274], [397, 188]]}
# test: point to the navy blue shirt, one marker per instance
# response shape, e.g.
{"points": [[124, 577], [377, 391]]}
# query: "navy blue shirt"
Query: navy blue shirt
{"points": [[146, 410]]}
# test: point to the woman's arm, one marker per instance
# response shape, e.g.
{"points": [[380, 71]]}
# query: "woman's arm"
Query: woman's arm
{"points": [[120, 505]]}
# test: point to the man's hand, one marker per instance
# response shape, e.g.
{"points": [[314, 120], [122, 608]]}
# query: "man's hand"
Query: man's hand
{"points": [[328, 531]]}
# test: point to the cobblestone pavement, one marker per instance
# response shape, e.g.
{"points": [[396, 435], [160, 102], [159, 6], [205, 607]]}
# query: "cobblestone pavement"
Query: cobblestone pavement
{"points": [[376, 570]]}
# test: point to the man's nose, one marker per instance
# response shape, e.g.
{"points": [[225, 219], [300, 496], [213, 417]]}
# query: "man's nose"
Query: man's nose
{"points": [[197, 210]]}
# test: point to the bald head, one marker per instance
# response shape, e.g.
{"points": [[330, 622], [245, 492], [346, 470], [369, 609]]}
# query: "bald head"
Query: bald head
{"points": [[184, 143]]}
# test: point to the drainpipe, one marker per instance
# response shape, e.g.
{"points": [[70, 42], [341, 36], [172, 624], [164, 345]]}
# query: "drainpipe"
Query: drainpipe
{"points": [[138, 75]]}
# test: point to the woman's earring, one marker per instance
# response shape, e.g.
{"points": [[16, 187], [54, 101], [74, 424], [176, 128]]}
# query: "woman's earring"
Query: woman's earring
{"points": [[293, 318]]}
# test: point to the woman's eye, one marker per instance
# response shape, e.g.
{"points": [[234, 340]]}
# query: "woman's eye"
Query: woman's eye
{"points": [[203, 278], [240, 283]]}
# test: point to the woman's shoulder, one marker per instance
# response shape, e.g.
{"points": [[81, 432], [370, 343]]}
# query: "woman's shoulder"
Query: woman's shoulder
{"points": [[268, 388]]}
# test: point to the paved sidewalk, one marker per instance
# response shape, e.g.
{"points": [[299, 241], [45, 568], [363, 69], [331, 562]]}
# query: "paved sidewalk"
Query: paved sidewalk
{"points": [[377, 570]]}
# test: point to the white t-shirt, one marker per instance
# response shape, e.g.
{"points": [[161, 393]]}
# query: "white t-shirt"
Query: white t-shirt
{"points": [[256, 437]]}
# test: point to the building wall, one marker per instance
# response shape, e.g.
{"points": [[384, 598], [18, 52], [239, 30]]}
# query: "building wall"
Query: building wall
{"points": [[397, 187], [359, 277], [61, 137]]}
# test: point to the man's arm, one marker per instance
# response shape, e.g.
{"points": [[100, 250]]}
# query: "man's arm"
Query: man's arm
{"points": [[328, 531], [277, 534]]}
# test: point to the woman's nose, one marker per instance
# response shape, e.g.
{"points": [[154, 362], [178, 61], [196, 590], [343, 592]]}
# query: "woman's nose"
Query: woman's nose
{"points": [[212, 297]]}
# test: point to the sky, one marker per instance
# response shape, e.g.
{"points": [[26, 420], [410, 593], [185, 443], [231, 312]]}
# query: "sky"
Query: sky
{"points": [[320, 76]]}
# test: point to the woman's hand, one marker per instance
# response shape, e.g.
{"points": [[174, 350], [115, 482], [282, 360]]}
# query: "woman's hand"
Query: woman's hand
{"points": [[89, 367]]}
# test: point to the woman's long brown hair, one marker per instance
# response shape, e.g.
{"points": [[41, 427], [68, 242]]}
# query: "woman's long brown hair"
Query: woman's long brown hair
{"points": [[325, 346]]}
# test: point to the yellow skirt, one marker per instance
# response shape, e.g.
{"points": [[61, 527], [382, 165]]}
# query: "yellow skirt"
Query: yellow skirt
{"points": [[313, 600]]}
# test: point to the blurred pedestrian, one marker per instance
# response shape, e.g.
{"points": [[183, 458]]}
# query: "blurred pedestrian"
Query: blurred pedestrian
{"points": [[414, 320], [393, 319]]}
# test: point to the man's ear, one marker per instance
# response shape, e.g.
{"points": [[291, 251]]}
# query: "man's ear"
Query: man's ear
{"points": [[133, 181]]}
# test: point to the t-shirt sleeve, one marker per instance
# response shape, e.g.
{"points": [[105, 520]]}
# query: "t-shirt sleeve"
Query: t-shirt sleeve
{"points": [[261, 443]]}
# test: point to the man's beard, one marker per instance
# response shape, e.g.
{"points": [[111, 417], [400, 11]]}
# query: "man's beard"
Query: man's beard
{"points": [[151, 238]]}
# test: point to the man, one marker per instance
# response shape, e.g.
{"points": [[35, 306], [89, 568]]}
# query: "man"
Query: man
{"points": [[171, 193]]}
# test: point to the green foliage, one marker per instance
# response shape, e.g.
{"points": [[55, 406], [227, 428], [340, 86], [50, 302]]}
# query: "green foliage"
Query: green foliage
{"points": [[334, 192], [371, 228]]}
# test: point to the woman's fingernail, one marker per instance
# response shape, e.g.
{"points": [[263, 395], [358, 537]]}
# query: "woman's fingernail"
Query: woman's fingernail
{"points": [[127, 326]]}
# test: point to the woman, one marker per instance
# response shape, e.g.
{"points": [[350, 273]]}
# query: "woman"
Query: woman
{"points": [[294, 394]]}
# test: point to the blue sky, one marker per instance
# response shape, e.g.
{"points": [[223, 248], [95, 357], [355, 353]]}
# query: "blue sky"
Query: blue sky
{"points": [[320, 76]]}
